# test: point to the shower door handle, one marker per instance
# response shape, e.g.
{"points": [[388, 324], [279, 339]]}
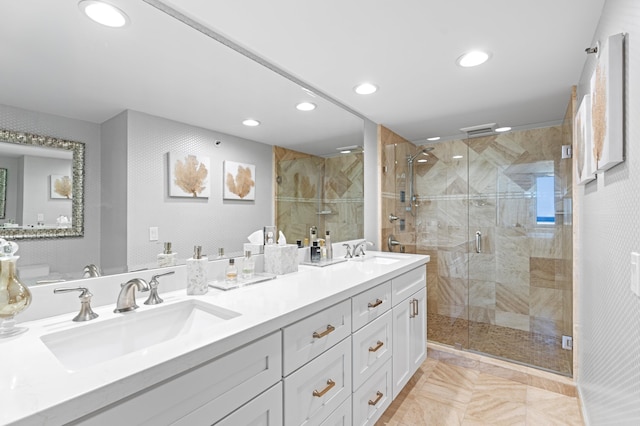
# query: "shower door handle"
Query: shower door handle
{"points": [[478, 242]]}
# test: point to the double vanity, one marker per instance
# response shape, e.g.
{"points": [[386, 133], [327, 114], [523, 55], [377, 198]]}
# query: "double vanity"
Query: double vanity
{"points": [[321, 346]]}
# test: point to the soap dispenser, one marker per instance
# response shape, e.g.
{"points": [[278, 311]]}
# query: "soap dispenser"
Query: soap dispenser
{"points": [[248, 266], [329, 248], [167, 258], [197, 273]]}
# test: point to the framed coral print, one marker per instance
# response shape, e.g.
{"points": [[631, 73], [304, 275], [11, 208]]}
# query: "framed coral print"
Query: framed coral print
{"points": [[239, 181], [585, 169], [61, 187], [188, 175], [607, 99]]}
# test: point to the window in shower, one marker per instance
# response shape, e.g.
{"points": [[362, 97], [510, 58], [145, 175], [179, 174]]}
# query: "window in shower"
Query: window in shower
{"points": [[545, 201]]}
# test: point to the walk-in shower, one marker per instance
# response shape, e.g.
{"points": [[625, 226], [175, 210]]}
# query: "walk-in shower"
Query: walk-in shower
{"points": [[509, 295]]}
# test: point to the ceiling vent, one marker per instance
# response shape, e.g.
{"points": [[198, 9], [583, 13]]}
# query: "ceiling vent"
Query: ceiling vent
{"points": [[479, 130]]}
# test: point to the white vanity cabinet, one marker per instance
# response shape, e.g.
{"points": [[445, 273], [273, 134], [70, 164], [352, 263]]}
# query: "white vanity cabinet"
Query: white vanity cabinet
{"points": [[317, 365], [409, 337], [264, 410], [205, 394]]}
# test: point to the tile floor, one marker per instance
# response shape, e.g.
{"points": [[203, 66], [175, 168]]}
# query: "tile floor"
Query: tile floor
{"points": [[452, 390], [521, 346]]}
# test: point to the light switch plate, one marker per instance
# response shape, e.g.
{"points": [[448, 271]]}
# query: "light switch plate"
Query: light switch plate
{"points": [[40, 217], [635, 273], [153, 233]]}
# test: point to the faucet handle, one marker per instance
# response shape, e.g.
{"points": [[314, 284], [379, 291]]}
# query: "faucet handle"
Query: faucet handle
{"points": [[86, 313], [348, 255], [153, 298]]}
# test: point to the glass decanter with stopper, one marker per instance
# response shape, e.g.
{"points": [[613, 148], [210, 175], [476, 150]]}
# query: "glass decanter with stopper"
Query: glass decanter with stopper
{"points": [[15, 297]]}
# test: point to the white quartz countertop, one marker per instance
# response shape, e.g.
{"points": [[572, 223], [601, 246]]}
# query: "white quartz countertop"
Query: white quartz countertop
{"points": [[37, 389]]}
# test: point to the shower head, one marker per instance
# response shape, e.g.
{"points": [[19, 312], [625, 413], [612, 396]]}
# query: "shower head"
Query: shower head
{"points": [[424, 151]]}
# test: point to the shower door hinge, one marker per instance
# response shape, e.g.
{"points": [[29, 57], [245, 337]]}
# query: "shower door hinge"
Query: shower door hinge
{"points": [[567, 343], [566, 151]]}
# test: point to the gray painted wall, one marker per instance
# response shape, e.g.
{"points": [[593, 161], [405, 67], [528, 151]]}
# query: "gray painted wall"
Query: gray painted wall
{"points": [[11, 194], [372, 185], [36, 194], [210, 222], [67, 254], [113, 223], [608, 312]]}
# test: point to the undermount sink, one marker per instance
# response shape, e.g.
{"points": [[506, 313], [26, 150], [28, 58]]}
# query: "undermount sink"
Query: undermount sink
{"points": [[380, 260], [93, 344]]}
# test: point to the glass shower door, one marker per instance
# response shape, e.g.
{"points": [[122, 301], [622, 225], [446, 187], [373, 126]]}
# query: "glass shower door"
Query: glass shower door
{"points": [[519, 279]]}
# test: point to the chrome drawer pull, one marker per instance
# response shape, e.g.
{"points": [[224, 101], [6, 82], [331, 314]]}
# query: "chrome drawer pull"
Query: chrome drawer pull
{"points": [[376, 347], [330, 384], [378, 397], [375, 304], [329, 329]]}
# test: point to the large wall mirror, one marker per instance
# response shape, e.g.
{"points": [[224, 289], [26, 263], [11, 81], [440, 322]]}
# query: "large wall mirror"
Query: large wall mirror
{"points": [[42, 186], [133, 95]]}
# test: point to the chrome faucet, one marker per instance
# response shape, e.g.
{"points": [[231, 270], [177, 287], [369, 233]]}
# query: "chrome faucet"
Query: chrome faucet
{"points": [[127, 297], [358, 249], [348, 255], [153, 298], [91, 271], [86, 313]]}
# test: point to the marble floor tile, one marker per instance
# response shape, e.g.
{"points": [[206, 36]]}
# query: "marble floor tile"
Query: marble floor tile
{"points": [[446, 392]]}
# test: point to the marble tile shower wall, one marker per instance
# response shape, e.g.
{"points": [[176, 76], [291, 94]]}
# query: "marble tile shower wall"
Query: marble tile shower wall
{"points": [[522, 277], [326, 192], [395, 169]]}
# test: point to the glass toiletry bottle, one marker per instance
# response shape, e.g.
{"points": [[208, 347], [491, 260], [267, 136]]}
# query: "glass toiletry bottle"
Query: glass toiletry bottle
{"points": [[197, 273], [15, 297], [167, 258], [315, 252], [221, 253], [313, 234], [323, 250], [248, 266], [231, 273], [327, 243]]}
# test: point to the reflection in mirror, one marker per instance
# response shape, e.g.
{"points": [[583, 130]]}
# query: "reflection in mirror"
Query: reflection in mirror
{"points": [[326, 192], [42, 188], [134, 95]]}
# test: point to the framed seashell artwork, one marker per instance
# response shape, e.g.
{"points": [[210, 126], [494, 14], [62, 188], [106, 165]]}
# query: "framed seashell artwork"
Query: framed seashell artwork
{"points": [[188, 175], [239, 181]]}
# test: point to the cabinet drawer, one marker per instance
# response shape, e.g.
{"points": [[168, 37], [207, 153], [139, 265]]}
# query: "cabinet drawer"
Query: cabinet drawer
{"points": [[369, 305], [264, 410], [340, 417], [204, 394], [317, 389], [370, 401], [407, 284], [308, 338], [371, 348]]}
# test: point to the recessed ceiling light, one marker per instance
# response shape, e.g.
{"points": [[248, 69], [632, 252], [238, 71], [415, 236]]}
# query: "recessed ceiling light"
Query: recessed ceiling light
{"points": [[435, 138], [422, 160], [306, 106], [473, 58], [503, 129], [104, 13], [251, 122], [457, 156], [365, 89]]}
